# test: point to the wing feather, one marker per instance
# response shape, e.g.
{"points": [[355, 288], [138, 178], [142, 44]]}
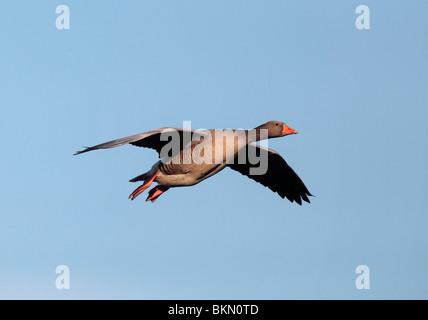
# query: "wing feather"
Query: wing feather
{"points": [[280, 177], [150, 139]]}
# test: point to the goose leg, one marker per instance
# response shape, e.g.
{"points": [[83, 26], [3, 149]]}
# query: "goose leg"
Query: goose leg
{"points": [[156, 192], [147, 183]]}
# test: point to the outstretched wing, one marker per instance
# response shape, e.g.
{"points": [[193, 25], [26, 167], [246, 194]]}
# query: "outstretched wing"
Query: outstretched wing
{"points": [[280, 177], [150, 139]]}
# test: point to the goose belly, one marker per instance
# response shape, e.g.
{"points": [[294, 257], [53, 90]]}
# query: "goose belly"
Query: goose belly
{"points": [[190, 176]]}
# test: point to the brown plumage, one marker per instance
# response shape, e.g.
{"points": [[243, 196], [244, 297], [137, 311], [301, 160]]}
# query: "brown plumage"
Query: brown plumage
{"points": [[189, 157]]}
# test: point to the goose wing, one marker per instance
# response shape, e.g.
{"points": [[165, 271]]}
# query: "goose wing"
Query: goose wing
{"points": [[279, 177], [154, 139]]}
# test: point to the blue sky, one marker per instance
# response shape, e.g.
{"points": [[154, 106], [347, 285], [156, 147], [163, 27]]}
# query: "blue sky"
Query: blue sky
{"points": [[357, 97]]}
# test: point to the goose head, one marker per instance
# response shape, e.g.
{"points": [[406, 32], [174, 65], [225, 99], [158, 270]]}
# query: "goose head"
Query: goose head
{"points": [[276, 129]]}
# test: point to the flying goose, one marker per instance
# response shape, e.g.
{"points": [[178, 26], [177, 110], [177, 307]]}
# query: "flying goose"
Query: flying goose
{"points": [[181, 164]]}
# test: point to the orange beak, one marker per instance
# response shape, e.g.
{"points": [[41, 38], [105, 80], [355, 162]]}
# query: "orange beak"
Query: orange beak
{"points": [[287, 130]]}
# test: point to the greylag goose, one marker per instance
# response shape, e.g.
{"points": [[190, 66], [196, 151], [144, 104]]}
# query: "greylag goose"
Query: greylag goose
{"points": [[190, 156]]}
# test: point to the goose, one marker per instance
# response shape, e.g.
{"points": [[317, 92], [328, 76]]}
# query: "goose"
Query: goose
{"points": [[191, 156]]}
